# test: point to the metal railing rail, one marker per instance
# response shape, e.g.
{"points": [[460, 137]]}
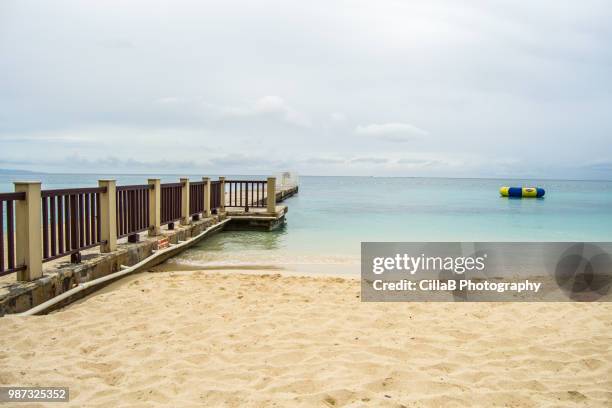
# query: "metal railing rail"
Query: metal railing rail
{"points": [[246, 193], [8, 263], [215, 196], [70, 221], [132, 210], [196, 198], [171, 202]]}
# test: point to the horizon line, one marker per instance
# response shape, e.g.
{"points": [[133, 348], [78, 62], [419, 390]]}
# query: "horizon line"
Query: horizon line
{"points": [[30, 172]]}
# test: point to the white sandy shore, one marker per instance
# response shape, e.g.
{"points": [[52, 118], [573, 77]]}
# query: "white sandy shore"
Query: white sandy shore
{"points": [[246, 340]]}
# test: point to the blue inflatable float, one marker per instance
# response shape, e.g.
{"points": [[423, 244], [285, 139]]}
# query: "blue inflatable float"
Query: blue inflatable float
{"points": [[521, 192]]}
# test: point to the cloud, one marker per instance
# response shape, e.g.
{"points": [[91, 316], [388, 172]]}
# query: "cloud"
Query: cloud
{"points": [[323, 160], [338, 117], [42, 137], [392, 132], [169, 100], [217, 164], [369, 160], [600, 166], [109, 163], [267, 106], [245, 161], [421, 162], [117, 43], [277, 106], [489, 79]]}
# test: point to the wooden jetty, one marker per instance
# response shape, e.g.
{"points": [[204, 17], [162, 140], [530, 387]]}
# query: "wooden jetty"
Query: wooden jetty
{"points": [[54, 240]]}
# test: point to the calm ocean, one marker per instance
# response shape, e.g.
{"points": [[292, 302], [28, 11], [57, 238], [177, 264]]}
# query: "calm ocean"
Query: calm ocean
{"points": [[330, 216]]}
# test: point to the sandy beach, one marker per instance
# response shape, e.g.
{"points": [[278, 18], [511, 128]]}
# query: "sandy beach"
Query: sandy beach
{"points": [[233, 339]]}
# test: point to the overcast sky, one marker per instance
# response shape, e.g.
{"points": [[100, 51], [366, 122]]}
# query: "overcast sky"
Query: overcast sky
{"points": [[405, 88]]}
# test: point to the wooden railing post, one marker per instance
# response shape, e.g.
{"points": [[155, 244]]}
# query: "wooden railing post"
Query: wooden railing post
{"points": [[207, 211], [108, 216], [185, 219], [271, 195], [221, 194], [154, 207], [28, 231]]}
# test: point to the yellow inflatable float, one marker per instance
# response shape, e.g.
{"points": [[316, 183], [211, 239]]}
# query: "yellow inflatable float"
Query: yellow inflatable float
{"points": [[521, 192]]}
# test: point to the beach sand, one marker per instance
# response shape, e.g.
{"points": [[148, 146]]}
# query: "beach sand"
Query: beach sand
{"points": [[233, 339]]}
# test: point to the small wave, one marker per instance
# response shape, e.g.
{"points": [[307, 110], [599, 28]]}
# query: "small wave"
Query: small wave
{"points": [[178, 266]]}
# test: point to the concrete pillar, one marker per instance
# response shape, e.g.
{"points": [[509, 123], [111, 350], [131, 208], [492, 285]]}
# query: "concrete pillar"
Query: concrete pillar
{"points": [[154, 207], [222, 198], [28, 230], [271, 195], [185, 219], [108, 215], [206, 181]]}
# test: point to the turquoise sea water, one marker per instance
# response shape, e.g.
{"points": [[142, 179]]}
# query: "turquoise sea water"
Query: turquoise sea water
{"points": [[330, 216]]}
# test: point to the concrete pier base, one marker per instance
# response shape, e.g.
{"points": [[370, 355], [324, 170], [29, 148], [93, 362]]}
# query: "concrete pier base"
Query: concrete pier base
{"points": [[61, 275], [257, 219]]}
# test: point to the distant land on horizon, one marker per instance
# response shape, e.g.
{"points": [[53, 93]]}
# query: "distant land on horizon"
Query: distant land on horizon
{"points": [[16, 171]]}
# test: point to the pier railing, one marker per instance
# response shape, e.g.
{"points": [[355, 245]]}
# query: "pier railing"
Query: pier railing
{"points": [[38, 226], [246, 193], [171, 203], [8, 263], [196, 198], [132, 210], [70, 221], [215, 196]]}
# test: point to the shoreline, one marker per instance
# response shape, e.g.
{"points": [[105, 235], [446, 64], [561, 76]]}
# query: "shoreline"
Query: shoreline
{"points": [[322, 269]]}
